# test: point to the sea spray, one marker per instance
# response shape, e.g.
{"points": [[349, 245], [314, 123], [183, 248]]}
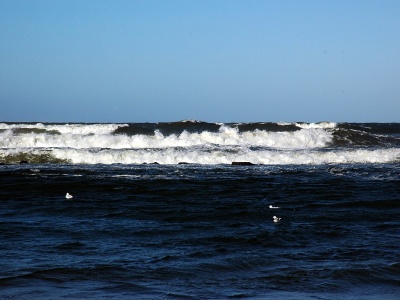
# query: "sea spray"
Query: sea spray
{"points": [[198, 143]]}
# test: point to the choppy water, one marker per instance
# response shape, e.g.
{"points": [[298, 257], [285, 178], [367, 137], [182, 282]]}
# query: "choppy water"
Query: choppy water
{"points": [[200, 143], [203, 231]]}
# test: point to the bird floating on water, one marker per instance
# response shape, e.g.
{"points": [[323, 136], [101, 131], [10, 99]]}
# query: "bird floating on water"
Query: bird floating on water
{"points": [[68, 196], [274, 207], [276, 219]]}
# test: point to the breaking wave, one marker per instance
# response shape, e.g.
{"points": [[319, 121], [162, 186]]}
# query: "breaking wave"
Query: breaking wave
{"points": [[199, 142]]}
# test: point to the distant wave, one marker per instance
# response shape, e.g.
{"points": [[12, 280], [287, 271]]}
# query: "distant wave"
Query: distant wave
{"points": [[78, 128], [317, 125], [81, 136], [199, 142]]}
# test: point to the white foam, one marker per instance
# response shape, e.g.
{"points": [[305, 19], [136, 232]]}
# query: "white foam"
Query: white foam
{"points": [[82, 136], [6, 126], [225, 156], [191, 121], [209, 155], [96, 143], [323, 125], [73, 128]]}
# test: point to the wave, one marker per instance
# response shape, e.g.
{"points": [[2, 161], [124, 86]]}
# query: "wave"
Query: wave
{"points": [[78, 128], [199, 142], [198, 155], [317, 125], [115, 137]]}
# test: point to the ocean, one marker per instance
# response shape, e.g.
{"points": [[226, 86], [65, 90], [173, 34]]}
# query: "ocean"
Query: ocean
{"points": [[184, 210]]}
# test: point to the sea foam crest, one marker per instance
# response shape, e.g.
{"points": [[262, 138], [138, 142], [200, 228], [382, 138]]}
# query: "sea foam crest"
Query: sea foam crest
{"points": [[224, 156], [80, 137], [73, 128], [323, 125]]}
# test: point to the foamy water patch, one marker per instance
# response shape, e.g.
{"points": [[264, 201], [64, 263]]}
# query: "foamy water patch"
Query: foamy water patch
{"points": [[323, 125], [225, 156], [85, 129], [316, 143], [74, 128], [227, 136], [199, 155]]}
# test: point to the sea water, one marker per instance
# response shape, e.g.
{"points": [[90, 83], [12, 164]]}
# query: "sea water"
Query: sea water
{"points": [[159, 211]]}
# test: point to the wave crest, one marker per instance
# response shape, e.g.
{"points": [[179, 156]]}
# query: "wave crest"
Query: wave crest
{"points": [[199, 142]]}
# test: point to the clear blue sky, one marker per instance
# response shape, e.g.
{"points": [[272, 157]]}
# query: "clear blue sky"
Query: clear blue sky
{"points": [[216, 61]]}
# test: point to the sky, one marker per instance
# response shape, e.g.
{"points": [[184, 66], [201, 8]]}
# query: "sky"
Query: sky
{"points": [[214, 61]]}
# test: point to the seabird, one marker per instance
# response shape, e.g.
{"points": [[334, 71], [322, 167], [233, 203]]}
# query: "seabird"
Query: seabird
{"points": [[68, 196], [273, 207], [276, 219]]}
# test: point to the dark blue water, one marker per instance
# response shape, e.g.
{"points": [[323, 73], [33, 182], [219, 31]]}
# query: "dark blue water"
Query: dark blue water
{"points": [[200, 231]]}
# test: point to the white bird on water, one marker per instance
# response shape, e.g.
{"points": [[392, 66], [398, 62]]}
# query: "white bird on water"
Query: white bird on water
{"points": [[68, 196], [274, 207], [276, 219]]}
